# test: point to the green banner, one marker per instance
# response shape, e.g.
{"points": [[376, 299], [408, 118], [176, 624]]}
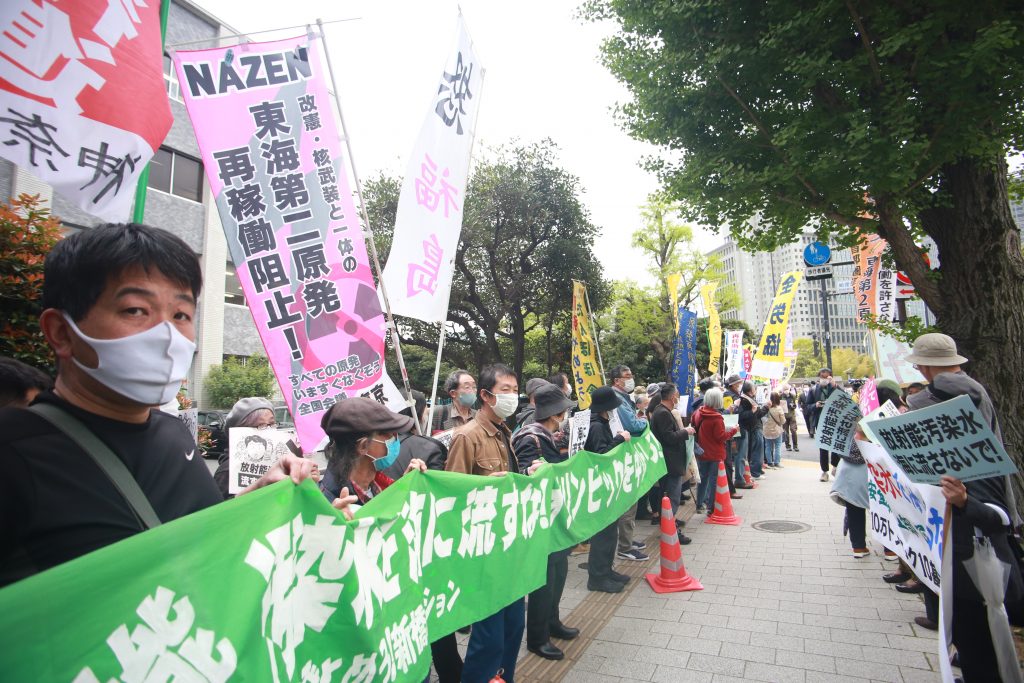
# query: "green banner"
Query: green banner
{"points": [[278, 586]]}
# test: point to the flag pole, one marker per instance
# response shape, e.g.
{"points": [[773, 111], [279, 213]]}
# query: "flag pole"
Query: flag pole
{"points": [[367, 231], [139, 211], [593, 326], [437, 374]]}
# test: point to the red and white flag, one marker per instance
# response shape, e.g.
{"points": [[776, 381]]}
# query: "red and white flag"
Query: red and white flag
{"points": [[83, 104]]}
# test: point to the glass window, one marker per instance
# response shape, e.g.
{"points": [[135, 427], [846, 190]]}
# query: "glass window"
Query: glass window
{"points": [[188, 178], [232, 287], [171, 79], [160, 170], [176, 174]]}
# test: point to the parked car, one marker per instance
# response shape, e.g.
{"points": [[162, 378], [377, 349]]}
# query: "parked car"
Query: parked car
{"points": [[214, 421]]}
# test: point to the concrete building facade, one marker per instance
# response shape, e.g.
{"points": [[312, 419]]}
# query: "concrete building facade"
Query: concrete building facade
{"points": [[178, 200]]}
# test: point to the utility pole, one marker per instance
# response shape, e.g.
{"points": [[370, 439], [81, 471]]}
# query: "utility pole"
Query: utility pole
{"points": [[827, 334]]}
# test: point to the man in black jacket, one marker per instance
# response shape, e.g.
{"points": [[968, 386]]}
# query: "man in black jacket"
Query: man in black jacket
{"points": [[673, 439], [826, 385]]}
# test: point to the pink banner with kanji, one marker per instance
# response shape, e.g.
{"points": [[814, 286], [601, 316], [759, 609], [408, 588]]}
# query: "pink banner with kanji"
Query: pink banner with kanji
{"points": [[272, 152]]}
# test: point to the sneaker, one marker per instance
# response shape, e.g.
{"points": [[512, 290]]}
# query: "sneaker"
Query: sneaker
{"points": [[632, 555], [605, 586], [616, 576], [824, 476], [890, 556], [655, 521], [861, 552], [778, 465], [683, 538], [702, 509], [757, 477], [639, 545]]}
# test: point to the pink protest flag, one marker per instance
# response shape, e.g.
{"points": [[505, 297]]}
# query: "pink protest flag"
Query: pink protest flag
{"points": [[270, 145]]}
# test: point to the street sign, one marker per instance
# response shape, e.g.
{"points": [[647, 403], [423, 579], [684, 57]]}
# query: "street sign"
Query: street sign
{"points": [[817, 254], [818, 273]]}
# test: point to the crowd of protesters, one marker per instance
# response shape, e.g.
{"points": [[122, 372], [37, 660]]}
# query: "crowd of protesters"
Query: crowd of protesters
{"points": [[119, 314]]}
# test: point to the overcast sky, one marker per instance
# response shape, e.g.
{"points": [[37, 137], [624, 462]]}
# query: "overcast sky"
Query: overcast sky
{"points": [[543, 80]]}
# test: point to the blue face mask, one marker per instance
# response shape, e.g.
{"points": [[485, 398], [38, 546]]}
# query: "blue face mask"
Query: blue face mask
{"points": [[381, 464], [468, 399]]}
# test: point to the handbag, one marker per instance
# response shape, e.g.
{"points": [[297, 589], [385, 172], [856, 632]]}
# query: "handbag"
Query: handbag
{"points": [[105, 459], [697, 450]]}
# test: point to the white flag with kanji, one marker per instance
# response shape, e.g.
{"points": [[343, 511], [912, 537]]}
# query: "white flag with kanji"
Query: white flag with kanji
{"points": [[83, 104], [418, 274]]}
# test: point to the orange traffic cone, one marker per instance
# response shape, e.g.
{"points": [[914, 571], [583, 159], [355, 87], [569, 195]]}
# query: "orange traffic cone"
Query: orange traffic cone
{"points": [[747, 479], [723, 513], [674, 578]]}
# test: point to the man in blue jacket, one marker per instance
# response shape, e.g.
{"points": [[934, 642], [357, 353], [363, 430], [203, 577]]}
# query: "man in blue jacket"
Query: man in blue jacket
{"points": [[623, 384]]}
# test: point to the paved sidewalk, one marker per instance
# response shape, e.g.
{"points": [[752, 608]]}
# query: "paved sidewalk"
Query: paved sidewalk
{"points": [[775, 606]]}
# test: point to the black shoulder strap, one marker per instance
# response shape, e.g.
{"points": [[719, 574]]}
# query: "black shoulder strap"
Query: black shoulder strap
{"points": [[105, 459]]}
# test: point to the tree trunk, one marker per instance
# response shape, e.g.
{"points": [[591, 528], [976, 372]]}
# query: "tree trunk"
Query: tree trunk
{"points": [[982, 289], [518, 343]]}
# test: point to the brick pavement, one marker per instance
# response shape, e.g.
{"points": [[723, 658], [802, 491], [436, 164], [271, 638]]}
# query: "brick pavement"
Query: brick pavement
{"points": [[775, 607]]}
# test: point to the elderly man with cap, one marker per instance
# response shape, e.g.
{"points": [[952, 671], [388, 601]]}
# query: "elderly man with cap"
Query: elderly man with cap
{"points": [[255, 412], [532, 443], [983, 507]]}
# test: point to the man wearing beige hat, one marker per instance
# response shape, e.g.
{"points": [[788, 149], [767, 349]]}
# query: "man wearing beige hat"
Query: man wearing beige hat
{"points": [[984, 507]]}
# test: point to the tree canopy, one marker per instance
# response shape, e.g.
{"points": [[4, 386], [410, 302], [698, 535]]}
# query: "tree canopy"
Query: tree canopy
{"points": [[852, 116]]}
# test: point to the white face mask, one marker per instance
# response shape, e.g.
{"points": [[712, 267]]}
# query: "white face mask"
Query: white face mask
{"points": [[146, 367], [629, 386], [506, 405]]}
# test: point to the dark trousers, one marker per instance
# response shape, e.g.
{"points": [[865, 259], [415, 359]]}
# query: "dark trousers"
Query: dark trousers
{"points": [[602, 552], [730, 456], [823, 458], [447, 660], [856, 521], [672, 486], [494, 644], [789, 433], [973, 641], [755, 452], [542, 606]]}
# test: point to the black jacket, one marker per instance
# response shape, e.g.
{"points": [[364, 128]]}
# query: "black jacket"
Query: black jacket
{"points": [[430, 451], [600, 439], [750, 414], [534, 441], [672, 439]]}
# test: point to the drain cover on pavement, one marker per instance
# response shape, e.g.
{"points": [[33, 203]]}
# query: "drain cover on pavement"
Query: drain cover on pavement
{"points": [[781, 526]]}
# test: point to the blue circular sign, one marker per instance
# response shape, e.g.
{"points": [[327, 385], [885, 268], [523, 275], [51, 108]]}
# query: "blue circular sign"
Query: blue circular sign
{"points": [[817, 254]]}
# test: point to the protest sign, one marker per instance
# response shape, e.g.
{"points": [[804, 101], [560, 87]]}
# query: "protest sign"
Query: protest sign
{"points": [[835, 426], [770, 361], [684, 352], [586, 368], [707, 295], [762, 394], [868, 396], [733, 352], [272, 154], [887, 409], [891, 357], [276, 585], [579, 430], [84, 100], [615, 422], [251, 453], [445, 437], [731, 422], [190, 416], [950, 438], [418, 275], [905, 517]]}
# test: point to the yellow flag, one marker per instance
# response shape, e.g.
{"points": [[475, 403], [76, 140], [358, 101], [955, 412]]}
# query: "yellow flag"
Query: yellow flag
{"points": [[673, 281], [770, 360], [586, 369], [707, 294]]}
